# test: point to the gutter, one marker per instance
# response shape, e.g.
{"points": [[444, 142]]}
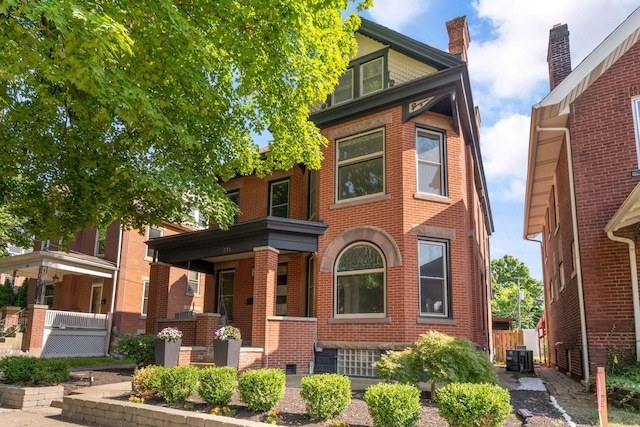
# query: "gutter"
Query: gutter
{"points": [[576, 239], [113, 290], [634, 285]]}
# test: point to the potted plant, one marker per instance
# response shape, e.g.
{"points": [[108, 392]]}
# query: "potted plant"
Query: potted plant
{"points": [[167, 347], [226, 346]]}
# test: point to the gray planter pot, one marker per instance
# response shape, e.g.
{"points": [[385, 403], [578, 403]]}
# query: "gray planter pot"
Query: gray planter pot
{"points": [[167, 352], [226, 352]]}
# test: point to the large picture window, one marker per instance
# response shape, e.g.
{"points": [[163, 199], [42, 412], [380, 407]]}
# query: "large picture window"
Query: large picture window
{"points": [[360, 282], [360, 165], [430, 154], [433, 272]]}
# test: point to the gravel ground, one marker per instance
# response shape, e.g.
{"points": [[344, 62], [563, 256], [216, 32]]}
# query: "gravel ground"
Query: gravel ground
{"points": [[292, 407]]}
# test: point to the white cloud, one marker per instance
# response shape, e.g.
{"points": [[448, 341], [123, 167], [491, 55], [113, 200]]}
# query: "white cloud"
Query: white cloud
{"points": [[512, 61], [505, 147], [396, 14]]}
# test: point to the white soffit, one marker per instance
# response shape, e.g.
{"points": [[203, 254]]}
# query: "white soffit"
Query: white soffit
{"points": [[628, 213]]}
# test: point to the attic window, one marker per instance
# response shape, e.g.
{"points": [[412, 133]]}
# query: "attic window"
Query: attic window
{"points": [[371, 73], [365, 75], [344, 90]]}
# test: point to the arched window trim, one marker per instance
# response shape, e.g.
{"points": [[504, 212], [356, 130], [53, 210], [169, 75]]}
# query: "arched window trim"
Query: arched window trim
{"points": [[337, 274]]}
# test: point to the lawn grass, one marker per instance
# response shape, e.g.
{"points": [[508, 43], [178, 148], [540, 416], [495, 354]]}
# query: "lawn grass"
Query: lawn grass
{"points": [[78, 362], [617, 417]]}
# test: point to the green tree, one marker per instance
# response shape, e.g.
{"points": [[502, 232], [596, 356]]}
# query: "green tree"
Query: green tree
{"points": [[138, 110], [21, 297], [6, 294], [506, 273]]}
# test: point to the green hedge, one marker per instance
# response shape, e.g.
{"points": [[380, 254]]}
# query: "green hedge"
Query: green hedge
{"points": [[393, 405], [262, 389], [178, 383], [21, 370], [327, 395], [136, 347], [465, 404], [147, 382], [217, 384]]}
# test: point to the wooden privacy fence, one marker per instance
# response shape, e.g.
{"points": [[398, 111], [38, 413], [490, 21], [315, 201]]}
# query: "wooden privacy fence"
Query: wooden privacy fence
{"points": [[506, 340]]}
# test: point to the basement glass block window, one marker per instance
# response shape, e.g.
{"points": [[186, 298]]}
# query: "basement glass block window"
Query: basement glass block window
{"points": [[357, 363]]}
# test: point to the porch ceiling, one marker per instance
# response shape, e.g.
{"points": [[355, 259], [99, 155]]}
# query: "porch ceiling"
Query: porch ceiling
{"points": [[628, 213], [197, 250], [59, 263]]}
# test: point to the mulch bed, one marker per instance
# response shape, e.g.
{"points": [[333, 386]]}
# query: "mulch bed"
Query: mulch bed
{"points": [[292, 407]]}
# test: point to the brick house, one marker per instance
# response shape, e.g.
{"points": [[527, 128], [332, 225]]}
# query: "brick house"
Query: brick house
{"points": [[387, 240], [582, 199]]}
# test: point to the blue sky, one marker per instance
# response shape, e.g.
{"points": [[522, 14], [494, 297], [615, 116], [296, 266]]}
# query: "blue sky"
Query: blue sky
{"points": [[509, 74]]}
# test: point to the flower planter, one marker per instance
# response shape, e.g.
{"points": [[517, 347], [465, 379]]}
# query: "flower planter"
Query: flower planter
{"points": [[226, 352], [167, 352]]}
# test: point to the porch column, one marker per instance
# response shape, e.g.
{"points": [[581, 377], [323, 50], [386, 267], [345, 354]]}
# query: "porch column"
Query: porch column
{"points": [[158, 295], [264, 292], [34, 333]]}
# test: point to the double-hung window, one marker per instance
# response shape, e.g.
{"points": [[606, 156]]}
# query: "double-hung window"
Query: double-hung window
{"points": [[101, 240], [360, 165], [360, 288], [366, 75], [153, 234], [197, 219], [193, 282], [344, 90], [279, 199], [234, 196], [145, 298], [433, 276], [635, 104], [371, 75], [430, 155]]}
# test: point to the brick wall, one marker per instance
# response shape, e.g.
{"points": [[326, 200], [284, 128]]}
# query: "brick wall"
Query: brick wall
{"points": [[290, 341]]}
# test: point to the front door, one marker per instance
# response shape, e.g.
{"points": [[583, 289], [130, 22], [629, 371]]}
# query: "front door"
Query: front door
{"points": [[96, 295]]}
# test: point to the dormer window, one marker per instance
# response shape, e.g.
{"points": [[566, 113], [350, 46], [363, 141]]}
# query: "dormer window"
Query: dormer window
{"points": [[365, 75]]}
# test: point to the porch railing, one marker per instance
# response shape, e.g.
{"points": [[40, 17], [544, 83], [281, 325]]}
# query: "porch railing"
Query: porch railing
{"points": [[70, 319]]}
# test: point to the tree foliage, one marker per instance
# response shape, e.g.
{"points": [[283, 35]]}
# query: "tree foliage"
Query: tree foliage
{"points": [[506, 273], [138, 110]]}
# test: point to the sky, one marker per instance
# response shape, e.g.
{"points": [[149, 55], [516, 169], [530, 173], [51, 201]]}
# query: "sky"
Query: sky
{"points": [[507, 61]]}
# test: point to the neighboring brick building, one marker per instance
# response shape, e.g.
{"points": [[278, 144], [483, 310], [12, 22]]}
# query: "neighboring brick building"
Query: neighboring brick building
{"points": [[388, 240], [583, 199]]}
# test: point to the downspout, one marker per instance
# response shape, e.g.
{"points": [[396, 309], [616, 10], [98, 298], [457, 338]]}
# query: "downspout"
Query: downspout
{"points": [[541, 352], [574, 220], [634, 285], [113, 290]]}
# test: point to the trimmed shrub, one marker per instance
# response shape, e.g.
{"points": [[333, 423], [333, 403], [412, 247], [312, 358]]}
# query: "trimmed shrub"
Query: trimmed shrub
{"points": [[217, 384], [22, 370], [327, 395], [147, 382], [178, 383], [482, 405], [261, 389], [393, 405], [136, 347]]}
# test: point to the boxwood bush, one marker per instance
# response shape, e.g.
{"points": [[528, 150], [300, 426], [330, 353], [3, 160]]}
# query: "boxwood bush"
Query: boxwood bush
{"points": [[217, 384], [33, 371], [327, 395], [178, 383], [136, 347], [393, 405], [262, 389], [146, 381], [482, 405]]}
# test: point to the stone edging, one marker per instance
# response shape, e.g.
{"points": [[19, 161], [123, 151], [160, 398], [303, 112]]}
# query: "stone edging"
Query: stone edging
{"points": [[29, 397]]}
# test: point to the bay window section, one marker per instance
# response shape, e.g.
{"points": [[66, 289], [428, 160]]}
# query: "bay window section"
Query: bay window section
{"points": [[360, 282], [433, 277], [360, 165], [430, 155]]}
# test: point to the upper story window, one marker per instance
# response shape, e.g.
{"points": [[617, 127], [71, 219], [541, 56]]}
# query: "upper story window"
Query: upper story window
{"points": [[312, 194], [193, 282], [197, 219], [360, 165], [430, 155], [365, 75], [635, 104], [234, 196], [279, 199], [360, 288], [153, 233], [145, 298], [434, 286], [101, 241]]}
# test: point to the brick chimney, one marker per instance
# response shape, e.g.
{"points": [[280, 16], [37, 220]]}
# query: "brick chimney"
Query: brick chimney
{"points": [[558, 56], [458, 37]]}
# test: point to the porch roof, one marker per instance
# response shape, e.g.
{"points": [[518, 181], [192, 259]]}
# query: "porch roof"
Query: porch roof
{"points": [[198, 250], [628, 213], [59, 263]]}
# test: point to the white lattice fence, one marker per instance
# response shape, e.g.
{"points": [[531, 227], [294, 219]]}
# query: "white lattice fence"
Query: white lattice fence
{"points": [[68, 343]]}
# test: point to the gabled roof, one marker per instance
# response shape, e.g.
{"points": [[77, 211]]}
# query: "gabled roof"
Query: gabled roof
{"points": [[553, 112]]}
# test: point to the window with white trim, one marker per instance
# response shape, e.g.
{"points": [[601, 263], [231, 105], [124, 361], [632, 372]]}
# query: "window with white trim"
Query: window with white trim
{"points": [[365, 75], [433, 276], [430, 157], [635, 105], [279, 199], [371, 76], [193, 282], [101, 241], [153, 233], [344, 90], [360, 165], [360, 282], [145, 298]]}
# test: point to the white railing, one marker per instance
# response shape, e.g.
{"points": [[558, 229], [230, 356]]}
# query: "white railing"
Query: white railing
{"points": [[70, 319]]}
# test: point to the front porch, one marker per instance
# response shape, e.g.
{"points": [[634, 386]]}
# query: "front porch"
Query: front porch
{"points": [[257, 280]]}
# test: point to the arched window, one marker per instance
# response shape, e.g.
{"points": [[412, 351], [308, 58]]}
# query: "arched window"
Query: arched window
{"points": [[360, 287]]}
